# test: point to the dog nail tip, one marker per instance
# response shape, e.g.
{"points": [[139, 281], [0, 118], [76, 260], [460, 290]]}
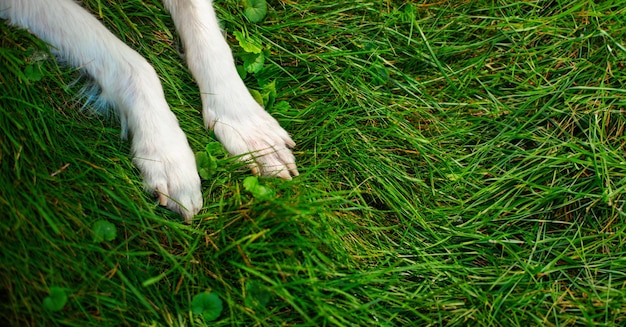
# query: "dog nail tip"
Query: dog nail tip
{"points": [[162, 199]]}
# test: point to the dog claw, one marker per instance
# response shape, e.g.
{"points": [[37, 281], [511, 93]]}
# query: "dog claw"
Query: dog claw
{"points": [[162, 199]]}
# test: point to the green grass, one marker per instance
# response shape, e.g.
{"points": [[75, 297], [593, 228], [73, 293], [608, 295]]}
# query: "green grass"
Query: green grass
{"points": [[463, 164]]}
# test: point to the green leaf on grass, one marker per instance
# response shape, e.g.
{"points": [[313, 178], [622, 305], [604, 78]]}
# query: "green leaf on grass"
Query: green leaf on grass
{"points": [[282, 106], [248, 43], [270, 88], [34, 72], [206, 164], [269, 93], [214, 148], [208, 305], [255, 10], [104, 231], [251, 184], [258, 97], [56, 300], [257, 295], [242, 72], [253, 62]]}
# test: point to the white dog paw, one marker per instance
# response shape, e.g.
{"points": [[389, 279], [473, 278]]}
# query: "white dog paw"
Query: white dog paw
{"points": [[169, 171], [260, 141]]}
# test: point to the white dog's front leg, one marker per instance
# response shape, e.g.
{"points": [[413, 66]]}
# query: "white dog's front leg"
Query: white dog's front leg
{"points": [[159, 146], [238, 121]]}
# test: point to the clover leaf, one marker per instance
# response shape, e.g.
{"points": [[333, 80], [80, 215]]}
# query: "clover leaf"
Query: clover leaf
{"points": [[208, 305], [104, 231], [56, 300], [251, 184], [255, 10]]}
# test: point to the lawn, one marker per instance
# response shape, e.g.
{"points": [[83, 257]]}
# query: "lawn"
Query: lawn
{"points": [[462, 164]]}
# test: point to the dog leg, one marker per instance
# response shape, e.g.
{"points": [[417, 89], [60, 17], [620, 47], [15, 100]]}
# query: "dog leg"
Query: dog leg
{"points": [[239, 122], [160, 149]]}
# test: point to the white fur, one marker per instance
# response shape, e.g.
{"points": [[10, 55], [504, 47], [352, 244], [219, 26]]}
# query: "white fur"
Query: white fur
{"points": [[127, 80]]}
